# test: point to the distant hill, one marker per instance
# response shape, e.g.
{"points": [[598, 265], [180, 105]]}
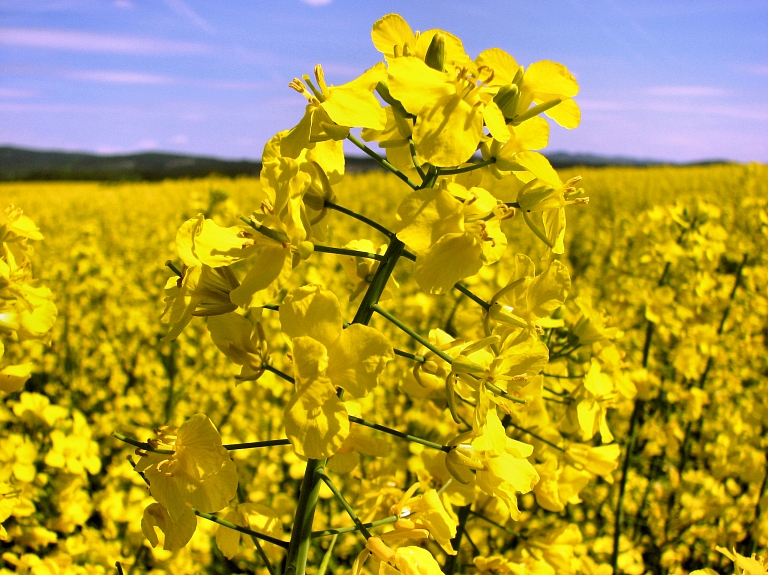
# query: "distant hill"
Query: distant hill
{"points": [[26, 164]]}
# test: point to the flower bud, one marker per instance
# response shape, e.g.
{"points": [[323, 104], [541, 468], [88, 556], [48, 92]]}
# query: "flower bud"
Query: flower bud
{"points": [[435, 57], [305, 249], [506, 98]]}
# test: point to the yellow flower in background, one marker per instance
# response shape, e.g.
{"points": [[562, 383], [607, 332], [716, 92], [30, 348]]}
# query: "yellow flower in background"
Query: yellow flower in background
{"points": [[592, 409], [199, 473]]}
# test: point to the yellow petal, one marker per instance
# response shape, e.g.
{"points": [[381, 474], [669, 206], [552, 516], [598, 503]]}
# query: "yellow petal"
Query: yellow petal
{"points": [[357, 359], [540, 167], [453, 257], [312, 311], [392, 31], [550, 78], [353, 104], [269, 271], [448, 130], [415, 84], [316, 420], [426, 216], [503, 65], [177, 531], [566, 113], [13, 377]]}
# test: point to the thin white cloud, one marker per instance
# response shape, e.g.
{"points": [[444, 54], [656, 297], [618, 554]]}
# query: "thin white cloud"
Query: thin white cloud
{"points": [[76, 41], [759, 70], [686, 91], [316, 2], [12, 93], [118, 77], [729, 111], [185, 11], [123, 4]]}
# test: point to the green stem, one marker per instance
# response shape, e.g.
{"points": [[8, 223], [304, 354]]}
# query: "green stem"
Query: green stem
{"points": [[416, 163], [142, 445], [475, 166], [279, 373], [275, 235], [400, 434], [298, 549], [535, 436], [501, 393], [301, 536], [392, 319], [492, 522], [346, 252], [381, 161], [347, 507], [633, 427], [251, 532], [359, 217], [409, 355], [351, 528], [263, 556], [452, 561], [479, 301], [379, 282], [173, 268], [256, 444], [271, 307], [327, 557]]}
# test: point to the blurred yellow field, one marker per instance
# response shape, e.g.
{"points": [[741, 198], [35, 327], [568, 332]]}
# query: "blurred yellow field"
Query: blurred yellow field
{"points": [[680, 349]]}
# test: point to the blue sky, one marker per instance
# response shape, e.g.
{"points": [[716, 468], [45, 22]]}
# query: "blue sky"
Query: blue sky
{"points": [[666, 79]]}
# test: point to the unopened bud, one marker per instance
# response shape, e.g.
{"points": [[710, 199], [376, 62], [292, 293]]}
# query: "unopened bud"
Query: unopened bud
{"points": [[435, 57], [305, 249], [506, 98]]}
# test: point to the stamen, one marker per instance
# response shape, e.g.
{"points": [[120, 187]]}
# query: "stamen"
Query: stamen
{"points": [[320, 77]]}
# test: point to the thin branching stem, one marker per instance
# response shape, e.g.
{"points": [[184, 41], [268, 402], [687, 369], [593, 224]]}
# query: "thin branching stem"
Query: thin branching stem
{"points": [[347, 507], [381, 161]]}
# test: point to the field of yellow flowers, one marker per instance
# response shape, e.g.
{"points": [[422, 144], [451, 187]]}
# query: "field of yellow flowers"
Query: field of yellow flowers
{"points": [[659, 352]]}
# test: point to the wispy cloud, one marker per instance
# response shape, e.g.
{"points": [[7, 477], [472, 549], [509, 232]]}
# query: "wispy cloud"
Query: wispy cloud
{"points": [[686, 91], [690, 109], [118, 77], [76, 41], [759, 70], [317, 2], [12, 93], [185, 11]]}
